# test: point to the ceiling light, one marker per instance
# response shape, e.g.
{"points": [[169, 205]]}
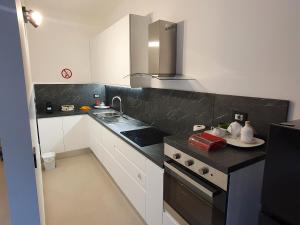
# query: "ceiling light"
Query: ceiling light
{"points": [[33, 17]]}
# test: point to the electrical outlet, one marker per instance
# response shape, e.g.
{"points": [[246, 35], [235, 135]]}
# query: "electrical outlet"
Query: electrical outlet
{"points": [[96, 96], [240, 116]]}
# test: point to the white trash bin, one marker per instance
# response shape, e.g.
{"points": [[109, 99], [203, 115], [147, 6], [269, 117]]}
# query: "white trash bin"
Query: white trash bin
{"points": [[49, 160]]}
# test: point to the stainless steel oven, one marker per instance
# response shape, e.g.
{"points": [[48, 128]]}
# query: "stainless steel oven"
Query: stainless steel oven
{"points": [[190, 198]]}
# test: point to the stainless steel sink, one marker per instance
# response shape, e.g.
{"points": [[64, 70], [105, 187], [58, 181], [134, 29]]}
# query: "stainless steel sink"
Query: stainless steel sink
{"points": [[107, 114], [118, 121]]}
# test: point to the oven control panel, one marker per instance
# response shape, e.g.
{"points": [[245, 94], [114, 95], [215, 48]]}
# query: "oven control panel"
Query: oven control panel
{"points": [[209, 173]]}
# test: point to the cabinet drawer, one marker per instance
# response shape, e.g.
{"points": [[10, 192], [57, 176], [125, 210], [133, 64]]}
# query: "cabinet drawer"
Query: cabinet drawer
{"points": [[133, 191], [132, 155], [137, 174]]}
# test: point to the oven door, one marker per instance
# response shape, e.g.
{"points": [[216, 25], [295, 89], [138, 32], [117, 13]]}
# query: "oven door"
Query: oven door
{"points": [[193, 199]]}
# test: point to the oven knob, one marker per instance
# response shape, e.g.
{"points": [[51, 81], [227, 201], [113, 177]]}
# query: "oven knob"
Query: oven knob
{"points": [[203, 171], [189, 162], [176, 156]]}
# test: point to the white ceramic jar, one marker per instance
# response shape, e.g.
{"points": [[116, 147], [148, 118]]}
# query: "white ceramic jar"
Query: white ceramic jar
{"points": [[247, 133]]}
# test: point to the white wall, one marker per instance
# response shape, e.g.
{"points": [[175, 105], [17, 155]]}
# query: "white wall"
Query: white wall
{"points": [[57, 44], [239, 47]]}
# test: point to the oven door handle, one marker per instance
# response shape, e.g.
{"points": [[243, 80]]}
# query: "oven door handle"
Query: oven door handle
{"points": [[196, 185]]}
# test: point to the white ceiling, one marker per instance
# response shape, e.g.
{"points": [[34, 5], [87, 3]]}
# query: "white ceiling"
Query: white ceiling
{"points": [[87, 12]]}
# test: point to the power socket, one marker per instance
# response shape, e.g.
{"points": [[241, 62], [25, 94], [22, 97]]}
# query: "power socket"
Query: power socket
{"points": [[96, 95], [240, 116]]}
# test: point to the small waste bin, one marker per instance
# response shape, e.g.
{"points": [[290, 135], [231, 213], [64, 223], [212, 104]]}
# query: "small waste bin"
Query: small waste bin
{"points": [[49, 160]]}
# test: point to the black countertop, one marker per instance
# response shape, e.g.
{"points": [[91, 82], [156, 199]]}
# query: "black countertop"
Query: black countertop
{"points": [[41, 115], [155, 153], [226, 160]]}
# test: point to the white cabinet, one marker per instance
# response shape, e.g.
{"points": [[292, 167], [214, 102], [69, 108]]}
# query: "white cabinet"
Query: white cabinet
{"points": [[51, 135], [133, 191], [138, 177], [60, 134], [120, 50], [154, 202], [75, 132]]}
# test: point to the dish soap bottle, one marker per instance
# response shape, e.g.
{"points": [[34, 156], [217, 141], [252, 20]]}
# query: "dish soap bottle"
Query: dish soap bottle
{"points": [[247, 133]]}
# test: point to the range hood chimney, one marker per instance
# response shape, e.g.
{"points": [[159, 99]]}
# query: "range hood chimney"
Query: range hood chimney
{"points": [[162, 52], [162, 46]]}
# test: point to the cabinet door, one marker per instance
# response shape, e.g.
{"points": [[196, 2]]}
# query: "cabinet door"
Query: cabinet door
{"points": [[51, 135], [75, 132], [110, 54], [154, 201]]}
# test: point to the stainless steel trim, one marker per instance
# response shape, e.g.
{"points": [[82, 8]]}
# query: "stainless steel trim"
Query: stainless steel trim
{"points": [[189, 180], [174, 214], [214, 176]]}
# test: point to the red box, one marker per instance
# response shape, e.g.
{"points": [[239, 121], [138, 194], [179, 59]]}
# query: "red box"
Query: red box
{"points": [[207, 142]]}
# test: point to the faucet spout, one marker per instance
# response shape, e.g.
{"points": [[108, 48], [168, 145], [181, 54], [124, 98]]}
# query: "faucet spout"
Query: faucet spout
{"points": [[120, 102]]}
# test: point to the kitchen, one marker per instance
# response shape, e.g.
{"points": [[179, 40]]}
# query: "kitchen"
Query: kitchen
{"points": [[126, 88]]}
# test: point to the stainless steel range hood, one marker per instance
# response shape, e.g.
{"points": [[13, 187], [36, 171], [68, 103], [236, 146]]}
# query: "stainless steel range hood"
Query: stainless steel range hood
{"points": [[162, 44], [162, 52]]}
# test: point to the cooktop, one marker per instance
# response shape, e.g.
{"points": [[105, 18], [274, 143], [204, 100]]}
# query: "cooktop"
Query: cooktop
{"points": [[146, 136]]}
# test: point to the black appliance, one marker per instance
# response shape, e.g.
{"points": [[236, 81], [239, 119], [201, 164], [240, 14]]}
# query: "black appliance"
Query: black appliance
{"points": [[281, 187], [192, 197], [146, 136], [49, 107]]}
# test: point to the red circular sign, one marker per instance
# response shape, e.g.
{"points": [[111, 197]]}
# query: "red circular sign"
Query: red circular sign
{"points": [[66, 73]]}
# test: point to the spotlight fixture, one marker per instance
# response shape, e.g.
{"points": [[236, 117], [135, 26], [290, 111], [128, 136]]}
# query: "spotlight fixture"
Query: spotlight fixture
{"points": [[33, 17]]}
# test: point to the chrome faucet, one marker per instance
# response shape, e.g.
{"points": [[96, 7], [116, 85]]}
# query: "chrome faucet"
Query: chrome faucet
{"points": [[120, 100]]}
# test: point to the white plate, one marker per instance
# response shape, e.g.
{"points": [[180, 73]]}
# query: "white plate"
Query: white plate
{"points": [[238, 143], [101, 107]]}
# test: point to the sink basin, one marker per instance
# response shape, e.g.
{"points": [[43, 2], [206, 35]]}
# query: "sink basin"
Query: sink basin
{"points": [[107, 114], [117, 121]]}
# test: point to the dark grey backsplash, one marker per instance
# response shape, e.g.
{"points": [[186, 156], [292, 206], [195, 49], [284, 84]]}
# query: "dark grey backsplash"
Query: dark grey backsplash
{"points": [[176, 112], [172, 111], [261, 111], [66, 94]]}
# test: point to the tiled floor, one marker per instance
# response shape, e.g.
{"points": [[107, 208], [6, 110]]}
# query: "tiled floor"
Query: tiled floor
{"points": [[79, 192], [4, 212]]}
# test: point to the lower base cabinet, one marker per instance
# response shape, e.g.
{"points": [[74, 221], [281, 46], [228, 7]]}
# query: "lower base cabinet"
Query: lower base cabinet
{"points": [[61, 134], [133, 191], [139, 178]]}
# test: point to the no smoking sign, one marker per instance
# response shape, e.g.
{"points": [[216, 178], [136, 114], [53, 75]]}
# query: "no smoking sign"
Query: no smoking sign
{"points": [[66, 73]]}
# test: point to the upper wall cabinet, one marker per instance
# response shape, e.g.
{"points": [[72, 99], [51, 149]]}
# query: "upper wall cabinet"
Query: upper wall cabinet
{"points": [[120, 50]]}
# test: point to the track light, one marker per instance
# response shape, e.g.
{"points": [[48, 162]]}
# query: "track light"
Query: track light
{"points": [[33, 17]]}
